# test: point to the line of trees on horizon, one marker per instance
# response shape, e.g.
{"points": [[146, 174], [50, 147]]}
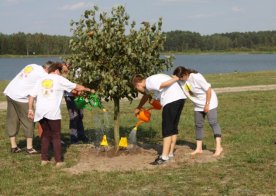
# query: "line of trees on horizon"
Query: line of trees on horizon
{"points": [[177, 41]]}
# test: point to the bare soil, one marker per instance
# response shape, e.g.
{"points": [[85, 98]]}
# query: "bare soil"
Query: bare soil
{"points": [[133, 159]]}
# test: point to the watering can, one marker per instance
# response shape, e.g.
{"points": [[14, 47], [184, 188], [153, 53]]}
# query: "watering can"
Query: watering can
{"points": [[143, 116], [87, 103]]}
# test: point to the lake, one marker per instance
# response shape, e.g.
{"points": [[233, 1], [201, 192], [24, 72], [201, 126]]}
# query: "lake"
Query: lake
{"points": [[207, 63]]}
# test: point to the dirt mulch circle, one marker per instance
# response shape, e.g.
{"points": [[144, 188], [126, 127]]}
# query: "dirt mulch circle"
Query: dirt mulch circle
{"points": [[133, 159]]}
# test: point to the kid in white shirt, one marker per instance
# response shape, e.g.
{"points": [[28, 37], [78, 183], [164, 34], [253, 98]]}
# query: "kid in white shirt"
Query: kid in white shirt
{"points": [[172, 100], [205, 101], [49, 93]]}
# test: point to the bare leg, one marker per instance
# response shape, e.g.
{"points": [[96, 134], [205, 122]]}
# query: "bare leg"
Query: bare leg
{"points": [[29, 143], [198, 149], [13, 142], [166, 146], [219, 149], [173, 142]]}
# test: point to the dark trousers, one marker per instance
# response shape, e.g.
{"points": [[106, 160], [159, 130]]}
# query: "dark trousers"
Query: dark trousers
{"points": [[51, 133], [76, 116]]}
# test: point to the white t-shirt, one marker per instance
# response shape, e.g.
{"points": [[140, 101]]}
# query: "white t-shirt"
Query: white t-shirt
{"points": [[166, 95], [23, 83], [195, 89], [49, 92]]}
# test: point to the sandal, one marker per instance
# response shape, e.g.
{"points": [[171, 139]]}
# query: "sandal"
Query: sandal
{"points": [[31, 151], [15, 150]]}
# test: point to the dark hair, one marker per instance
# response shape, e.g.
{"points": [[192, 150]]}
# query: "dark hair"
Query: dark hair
{"points": [[47, 64], [181, 71], [54, 67], [137, 79]]}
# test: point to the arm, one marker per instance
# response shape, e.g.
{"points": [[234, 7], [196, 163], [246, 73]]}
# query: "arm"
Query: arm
{"points": [[82, 88], [31, 111], [169, 82], [143, 100], [208, 99]]}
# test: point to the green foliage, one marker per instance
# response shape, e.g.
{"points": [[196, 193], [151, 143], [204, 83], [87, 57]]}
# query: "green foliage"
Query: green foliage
{"points": [[109, 51], [183, 41], [29, 44]]}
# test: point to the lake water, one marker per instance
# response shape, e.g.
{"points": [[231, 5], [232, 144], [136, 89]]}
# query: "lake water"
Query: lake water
{"points": [[211, 63]]}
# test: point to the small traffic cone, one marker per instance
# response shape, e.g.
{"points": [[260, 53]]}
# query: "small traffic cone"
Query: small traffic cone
{"points": [[123, 142], [104, 141]]}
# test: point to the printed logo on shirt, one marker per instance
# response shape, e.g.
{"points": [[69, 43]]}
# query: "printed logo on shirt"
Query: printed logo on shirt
{"points": [[47, 85], [26, 71], [188, 89]]}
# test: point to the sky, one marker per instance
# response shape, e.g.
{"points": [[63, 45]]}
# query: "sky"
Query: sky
{"points": [[206, 17]]}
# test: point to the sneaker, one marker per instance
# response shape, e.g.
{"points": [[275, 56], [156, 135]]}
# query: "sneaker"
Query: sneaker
{"points": [[62, 143], [31, 151], [84, 139], [171, 156], [16, 150], [159, 161], [74, 139]]}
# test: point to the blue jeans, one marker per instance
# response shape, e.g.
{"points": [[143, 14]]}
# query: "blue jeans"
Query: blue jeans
{"points": [[76, 116]]}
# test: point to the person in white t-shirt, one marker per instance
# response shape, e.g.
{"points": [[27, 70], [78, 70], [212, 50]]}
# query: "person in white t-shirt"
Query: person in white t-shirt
{"points": [[17, 93], [49, 93], [205, 101], [172, 100]]}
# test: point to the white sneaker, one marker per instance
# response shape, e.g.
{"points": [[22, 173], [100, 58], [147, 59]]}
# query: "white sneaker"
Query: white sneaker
{"points": [[171, 156]]}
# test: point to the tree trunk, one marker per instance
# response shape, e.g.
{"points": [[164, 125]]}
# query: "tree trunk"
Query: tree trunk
{"points": [[116, 121]]}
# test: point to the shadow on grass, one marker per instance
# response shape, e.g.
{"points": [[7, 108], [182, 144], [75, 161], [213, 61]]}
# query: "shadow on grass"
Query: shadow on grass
{"points": [[37, 145]]}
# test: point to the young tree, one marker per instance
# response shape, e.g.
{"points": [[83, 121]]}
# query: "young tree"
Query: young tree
{"points": [[109, 51]]}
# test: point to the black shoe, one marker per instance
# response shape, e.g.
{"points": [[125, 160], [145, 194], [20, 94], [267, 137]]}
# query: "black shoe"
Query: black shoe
{"points": [[15, 150], [159, 161], [84, 139], [74, 139]]}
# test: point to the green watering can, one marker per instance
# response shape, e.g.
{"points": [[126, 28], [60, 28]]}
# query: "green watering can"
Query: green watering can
{"points": [[92, 101]]}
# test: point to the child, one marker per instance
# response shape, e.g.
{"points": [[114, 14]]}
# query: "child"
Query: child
{"points": [[172, 99], [205, 104], [49, 92]]}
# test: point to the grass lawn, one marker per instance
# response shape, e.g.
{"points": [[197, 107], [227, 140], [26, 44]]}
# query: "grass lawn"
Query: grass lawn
{"points": [[248, 124]]}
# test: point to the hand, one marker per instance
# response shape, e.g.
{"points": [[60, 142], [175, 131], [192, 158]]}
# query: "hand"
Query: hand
{"points": [[206, 108], [136, 111], [175, 77], [31, 114]]}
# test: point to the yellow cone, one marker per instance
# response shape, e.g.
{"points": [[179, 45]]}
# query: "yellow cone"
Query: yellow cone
{"points": [[104, 141], [123, 142]]}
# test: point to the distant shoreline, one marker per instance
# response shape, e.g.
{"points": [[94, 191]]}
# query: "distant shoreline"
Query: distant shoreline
{"points": [[163, 53]]}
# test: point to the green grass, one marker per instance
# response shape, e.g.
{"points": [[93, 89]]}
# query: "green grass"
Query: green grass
{"points": [[3, 84], [248, 124]]}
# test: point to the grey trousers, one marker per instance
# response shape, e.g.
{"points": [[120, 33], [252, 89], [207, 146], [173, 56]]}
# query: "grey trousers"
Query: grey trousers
{"points": [[212, 119], [17, 115]]}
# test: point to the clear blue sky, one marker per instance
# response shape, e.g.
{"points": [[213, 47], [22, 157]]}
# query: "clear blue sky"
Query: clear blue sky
{"points": [[203, 16]]}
